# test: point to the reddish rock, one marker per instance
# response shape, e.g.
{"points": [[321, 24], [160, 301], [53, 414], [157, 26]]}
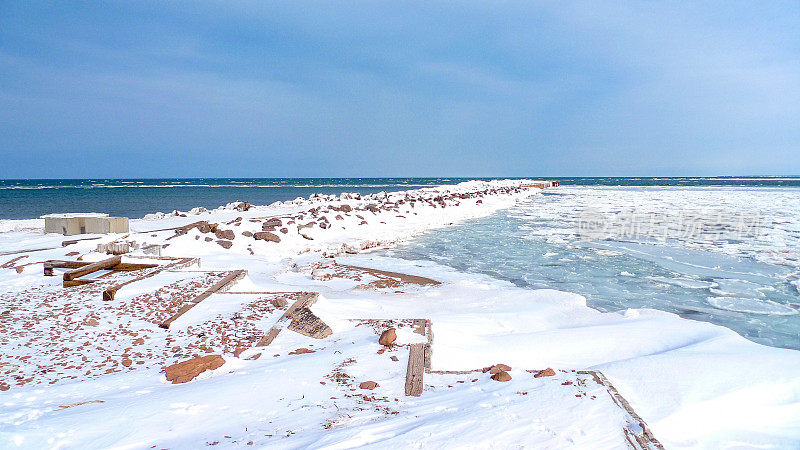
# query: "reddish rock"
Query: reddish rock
{"points": [[127, 362], [225, 244], [300, 351], [388, 337], [91, 323], [501, 376], [243, 206], [185, 371], [496, 368], [368, 385], [247, 234], [225, 234], [284, 230], [208, 239], [266, 236], [203, 227], [545, 373], [138, 341]]}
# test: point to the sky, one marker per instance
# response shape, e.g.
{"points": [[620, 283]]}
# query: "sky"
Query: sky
{"points": [[396, 88]]}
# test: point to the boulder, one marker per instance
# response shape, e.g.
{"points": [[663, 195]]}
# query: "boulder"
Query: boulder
{"points": [[225, 234], [497, 368], [545, 373], [247, 234], [266, 236], [185, 371], [224, 243], [243, 206], [388, 337], [203, 227], [501, 376], [368, 385]]}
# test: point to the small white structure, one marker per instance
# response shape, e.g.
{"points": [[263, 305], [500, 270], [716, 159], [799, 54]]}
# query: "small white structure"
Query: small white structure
{"points": [[88, 223]]}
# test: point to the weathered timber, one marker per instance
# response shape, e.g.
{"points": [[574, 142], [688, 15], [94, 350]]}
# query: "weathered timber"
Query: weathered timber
{"points": [[78, 282], [308, 324], [51, 264], [404, 277], [306, 299], [93, 267], [415, 370], [111, 291], [222, 284], [644, 440], [75, 241]]}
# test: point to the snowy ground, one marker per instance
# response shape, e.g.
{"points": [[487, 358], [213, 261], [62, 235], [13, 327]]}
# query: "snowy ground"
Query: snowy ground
{"points": [[694, 383]]}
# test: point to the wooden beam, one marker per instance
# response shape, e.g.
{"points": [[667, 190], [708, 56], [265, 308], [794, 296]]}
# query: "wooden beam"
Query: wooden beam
{"points": [[415, 370], [308, 324], [78, 282], [93, 267], [645, 440], [404, 277], [111, 291], [90, 268], [51, 264], [306, 299], [75, 241], [222, 284]]}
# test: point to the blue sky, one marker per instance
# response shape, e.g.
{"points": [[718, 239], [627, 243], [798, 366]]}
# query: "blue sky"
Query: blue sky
{"points": [[272, 89]]}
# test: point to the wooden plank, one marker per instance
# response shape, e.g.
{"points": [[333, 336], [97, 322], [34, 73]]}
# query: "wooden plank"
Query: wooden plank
{"points": [[93, 267], [51, 264], [308, 324], [415, 370], [306, 299], [222, 284], [111, 291], [646, 440], [30, 250], [403, 277], [75, 241], [78, 282]]}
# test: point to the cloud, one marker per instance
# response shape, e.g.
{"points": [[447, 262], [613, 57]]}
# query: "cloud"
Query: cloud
{"points": [[399, 89]]}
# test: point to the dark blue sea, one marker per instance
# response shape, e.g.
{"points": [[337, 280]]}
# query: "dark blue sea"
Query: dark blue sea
{"points": [[26, 199]]}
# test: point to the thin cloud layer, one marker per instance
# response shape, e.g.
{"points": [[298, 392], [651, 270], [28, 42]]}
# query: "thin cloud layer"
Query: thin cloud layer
{"points": [[398, 89]]}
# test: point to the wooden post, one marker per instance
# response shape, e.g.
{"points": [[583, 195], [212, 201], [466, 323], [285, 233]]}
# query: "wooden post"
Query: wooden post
{"points": [[93, 267], [415, 370]]}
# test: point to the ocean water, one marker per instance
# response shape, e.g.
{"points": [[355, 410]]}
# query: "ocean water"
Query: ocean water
{"points": [[28, 199], [721, 254]]}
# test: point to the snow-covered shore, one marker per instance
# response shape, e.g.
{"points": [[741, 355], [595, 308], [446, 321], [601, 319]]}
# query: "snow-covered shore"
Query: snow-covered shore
{"points": [[694, 383]]}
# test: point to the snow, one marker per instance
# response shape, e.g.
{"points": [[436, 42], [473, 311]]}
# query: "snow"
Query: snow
{"points": [[697, 385]]}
